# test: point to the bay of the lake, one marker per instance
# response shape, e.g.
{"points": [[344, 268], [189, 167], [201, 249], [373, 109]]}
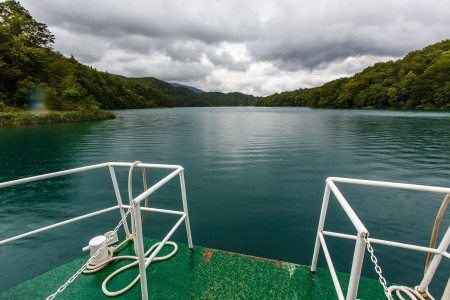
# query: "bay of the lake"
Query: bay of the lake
{"points": [[255, 179]]}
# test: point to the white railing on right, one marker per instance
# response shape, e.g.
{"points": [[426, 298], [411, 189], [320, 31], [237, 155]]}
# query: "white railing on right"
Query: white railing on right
{"points": [[363, 235]]}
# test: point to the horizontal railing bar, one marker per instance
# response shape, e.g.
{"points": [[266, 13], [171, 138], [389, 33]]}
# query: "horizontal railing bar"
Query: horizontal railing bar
{"points": [[347, 208], [404, 186], [340, 235], [51, 175], [382, 242], [82, 169], [446, 254], [403, 245], [167, 237], [158, 210], [156, 186], [154, 166], [33, 232], [336, 283]]}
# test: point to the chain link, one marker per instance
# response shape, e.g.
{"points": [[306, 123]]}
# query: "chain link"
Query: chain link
{"points": [[378, 268], [74, 276]]}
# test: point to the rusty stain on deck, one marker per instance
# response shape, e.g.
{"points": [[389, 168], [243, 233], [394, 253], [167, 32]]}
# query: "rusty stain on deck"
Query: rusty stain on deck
{"points": [[207, 255], [275, 262]]}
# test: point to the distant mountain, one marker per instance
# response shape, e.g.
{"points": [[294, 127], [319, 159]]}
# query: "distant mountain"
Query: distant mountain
{"points": [[179, 96], [192, 89], [420, 80], [182, 96]]}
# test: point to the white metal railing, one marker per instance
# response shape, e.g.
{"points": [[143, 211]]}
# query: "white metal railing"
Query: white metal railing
{"points": [[362, 232], [184, 216]]}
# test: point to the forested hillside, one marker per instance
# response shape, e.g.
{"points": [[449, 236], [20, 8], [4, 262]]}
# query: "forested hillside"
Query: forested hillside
{"points": [[182, 96], [420, 80], [31, 73], [228, 99], [178, 96]]}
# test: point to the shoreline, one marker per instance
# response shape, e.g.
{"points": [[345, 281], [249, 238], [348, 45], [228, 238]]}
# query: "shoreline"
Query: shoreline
{"points": [[53, 117]]}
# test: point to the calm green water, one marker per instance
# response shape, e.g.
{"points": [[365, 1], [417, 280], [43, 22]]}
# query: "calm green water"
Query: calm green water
{"points": [[255, 180]]}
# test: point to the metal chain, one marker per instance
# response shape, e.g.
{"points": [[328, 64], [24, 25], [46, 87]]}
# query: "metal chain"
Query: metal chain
{"points": [[74, 276], [377, 268]]}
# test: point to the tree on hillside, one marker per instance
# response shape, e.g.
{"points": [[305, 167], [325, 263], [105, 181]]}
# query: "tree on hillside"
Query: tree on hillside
{"points": [[16, 21], [23, 43]]}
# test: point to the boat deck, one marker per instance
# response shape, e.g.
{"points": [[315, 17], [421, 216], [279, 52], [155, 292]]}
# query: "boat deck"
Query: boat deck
{"points": [[200, 273]]}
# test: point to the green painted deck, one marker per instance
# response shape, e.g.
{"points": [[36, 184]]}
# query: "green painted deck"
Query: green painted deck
{"points": [[200, 273]]}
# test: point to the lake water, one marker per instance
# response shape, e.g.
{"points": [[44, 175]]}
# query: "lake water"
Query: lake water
{"points": [[255, 180]]}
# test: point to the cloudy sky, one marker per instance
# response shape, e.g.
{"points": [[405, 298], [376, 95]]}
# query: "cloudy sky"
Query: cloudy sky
{"points": [[258, 47]]}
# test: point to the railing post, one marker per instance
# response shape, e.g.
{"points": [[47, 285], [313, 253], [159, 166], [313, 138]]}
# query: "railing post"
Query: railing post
{"points": [[435, 262], [355, 274], [140, 251], [323, 213], [185, 209], [119, 199]]}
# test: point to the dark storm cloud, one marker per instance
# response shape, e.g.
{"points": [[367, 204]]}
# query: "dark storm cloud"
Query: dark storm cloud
{"points": [[294, 57], [296, 33], [178, 29], [179, 72], [204, 21], [186, 51], [225, 59], [335, 30]]}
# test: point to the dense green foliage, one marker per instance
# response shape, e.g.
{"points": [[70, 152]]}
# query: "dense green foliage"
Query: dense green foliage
{"points": [[228, 99], [27, 118], [420, 80]]}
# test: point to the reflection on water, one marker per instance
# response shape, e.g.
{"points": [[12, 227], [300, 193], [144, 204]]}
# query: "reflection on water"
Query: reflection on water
{"points": [[255, 178]]}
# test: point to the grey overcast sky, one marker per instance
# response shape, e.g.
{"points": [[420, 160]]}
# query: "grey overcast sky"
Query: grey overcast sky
{"points": [[258, 47]]}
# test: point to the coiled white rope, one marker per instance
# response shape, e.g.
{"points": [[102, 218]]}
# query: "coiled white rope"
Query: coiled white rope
{"points": [[413, 294], [95, 267], [92, 268], [89, 261]]}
